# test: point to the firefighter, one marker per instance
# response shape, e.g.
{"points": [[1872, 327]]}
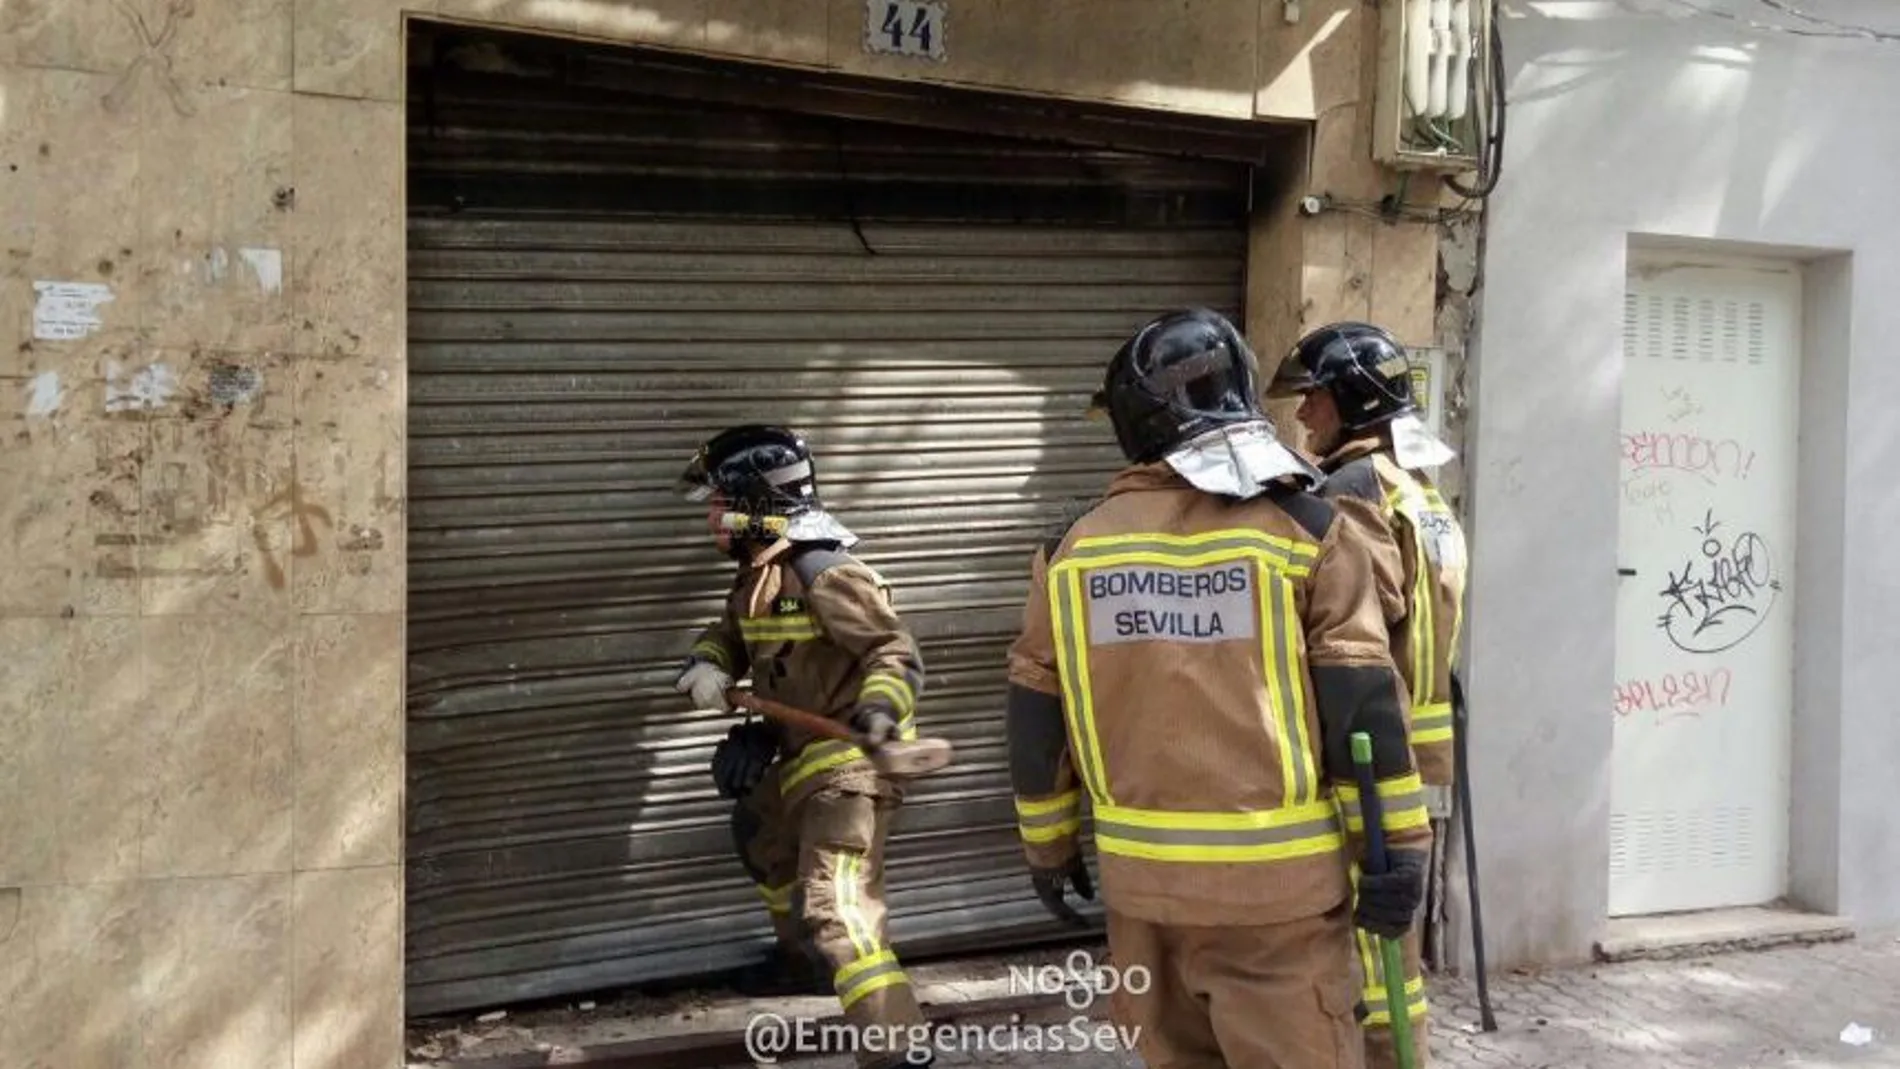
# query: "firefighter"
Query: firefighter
{"points": [[1196, 651], [814, 628], [1360, 417]]}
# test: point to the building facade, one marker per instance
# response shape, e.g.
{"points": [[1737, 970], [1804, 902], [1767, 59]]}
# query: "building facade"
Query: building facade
{"points": [[351, 343], [1678, 621]]}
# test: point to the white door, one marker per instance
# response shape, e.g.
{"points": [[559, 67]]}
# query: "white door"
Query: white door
{"points": [[1705, 614]]}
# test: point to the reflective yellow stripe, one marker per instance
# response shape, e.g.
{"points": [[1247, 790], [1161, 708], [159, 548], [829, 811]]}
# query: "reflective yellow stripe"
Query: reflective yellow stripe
{"points": [[777, 899], [1431, 723], [1373, 968], [817, 757], [1304, 787], [1065, 596], [1373, 995], [1402, 804], [778, 625], [869, 961], [1061, 803], [797, 627], [1049, 819], [1255, 835], [872, 972], [1379, 1014], [714, 651], [1049, 833], [902, 698], [1282, 554], [1424, 630], [1280, 688], [844, 891]]}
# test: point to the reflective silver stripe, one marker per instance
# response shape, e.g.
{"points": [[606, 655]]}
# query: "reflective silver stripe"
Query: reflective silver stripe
{"points": [[789, 473], [1285, 833], [1043, 820], [1292, 708], [1299, 555], [1389, 804], [1080, 706], [862, 982]]}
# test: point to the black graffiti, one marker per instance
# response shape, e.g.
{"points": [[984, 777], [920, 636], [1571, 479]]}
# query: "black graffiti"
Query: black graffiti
{"points": [[1719, 599]]}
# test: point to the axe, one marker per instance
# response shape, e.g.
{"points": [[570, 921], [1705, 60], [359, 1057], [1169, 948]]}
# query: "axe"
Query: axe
{"points": [[898, 758]]}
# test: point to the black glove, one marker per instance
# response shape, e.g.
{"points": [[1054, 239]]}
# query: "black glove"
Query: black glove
{"points": [[1389, 900], [874, 725], [1050, 884], [741, 758]]}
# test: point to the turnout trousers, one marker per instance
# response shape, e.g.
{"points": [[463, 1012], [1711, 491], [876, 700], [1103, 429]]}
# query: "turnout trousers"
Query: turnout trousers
{"points": [[1275, 996], [819, 865]]}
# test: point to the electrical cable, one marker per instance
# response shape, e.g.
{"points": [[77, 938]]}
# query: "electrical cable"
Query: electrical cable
{"points": [[1491, 150]]}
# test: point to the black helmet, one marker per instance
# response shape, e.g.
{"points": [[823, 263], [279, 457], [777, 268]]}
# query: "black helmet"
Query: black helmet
{"points": [[765, 473], [1181, 375], [1364, 368]]}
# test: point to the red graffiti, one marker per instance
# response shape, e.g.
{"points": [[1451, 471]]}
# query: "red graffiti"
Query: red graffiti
{"points": [[1675, 694], [1709, 458]]}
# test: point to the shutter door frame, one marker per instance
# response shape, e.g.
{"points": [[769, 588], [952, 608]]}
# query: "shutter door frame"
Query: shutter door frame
{"points": [[568, 345]]}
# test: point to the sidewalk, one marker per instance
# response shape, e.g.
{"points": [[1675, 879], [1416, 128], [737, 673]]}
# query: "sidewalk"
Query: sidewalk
{"points": [[1784, 1008], [1774, 1009]]}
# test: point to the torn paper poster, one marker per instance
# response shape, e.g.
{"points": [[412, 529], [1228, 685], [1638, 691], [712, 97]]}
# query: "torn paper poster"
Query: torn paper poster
{"points": [[1857, 1035], [68, 311], [43, 394], [267, 265], [148, 387]]}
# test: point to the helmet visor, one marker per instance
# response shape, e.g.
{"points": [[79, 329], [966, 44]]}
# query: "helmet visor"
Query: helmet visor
{"points": [[1213, 381], [695, 483], [1292, 379]]}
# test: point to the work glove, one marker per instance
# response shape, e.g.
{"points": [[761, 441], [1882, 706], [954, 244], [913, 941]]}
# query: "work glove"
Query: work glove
{"points": [[1050, 886], [1389, 900], [741, 758], [874, 725], [707, 683]]}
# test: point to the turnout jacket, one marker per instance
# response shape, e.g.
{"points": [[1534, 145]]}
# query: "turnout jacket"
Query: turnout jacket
{"points": [[815, 628], [1432, 549], [1194, 666]]}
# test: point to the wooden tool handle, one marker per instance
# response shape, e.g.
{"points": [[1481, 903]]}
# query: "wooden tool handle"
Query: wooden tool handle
{"points": [[798, 718]]}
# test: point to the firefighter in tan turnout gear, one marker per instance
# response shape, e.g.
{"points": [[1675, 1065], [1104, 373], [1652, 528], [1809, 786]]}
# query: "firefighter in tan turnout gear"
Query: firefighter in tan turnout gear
{"points": [[815, 629], [1196, 652], [1358, 410]]}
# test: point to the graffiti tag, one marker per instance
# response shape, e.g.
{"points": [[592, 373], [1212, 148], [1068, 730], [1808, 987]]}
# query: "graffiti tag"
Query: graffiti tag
{"points": [[1707, 458], [1721, 595], [1675, 694]]}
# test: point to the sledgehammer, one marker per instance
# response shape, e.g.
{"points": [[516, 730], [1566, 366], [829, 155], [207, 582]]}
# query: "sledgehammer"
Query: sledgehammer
{"points": [[1397, 1007], [898, 758]]}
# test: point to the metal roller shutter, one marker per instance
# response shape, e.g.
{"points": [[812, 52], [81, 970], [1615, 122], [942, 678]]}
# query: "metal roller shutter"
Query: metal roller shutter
{"points": [[596, 285]]}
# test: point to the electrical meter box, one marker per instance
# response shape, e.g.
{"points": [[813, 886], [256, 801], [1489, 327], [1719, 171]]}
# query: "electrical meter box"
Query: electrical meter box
{"points": [[1435, 84]]}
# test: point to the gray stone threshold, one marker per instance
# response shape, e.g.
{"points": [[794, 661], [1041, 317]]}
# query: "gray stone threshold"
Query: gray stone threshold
{"points": [[1684, 935]]}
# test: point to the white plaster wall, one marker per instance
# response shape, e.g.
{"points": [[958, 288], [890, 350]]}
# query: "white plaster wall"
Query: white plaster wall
{"points": [[1645, 118]]}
